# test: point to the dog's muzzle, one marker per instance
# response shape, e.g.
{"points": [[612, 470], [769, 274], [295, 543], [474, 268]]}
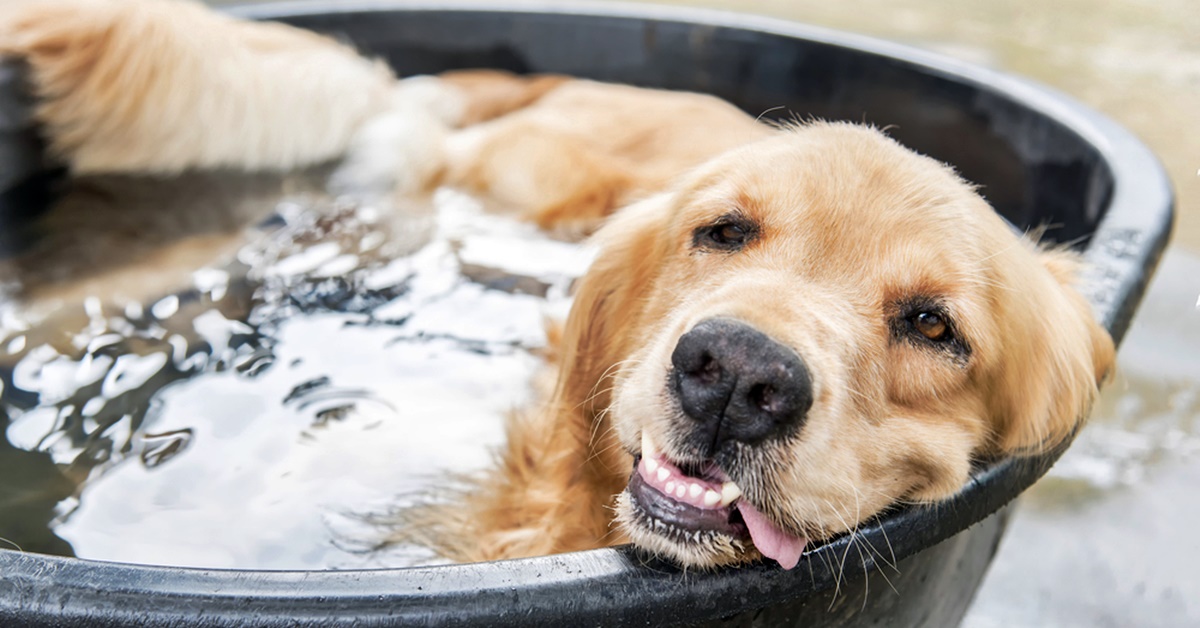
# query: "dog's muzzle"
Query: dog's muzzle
{"points": [[736, 388]]}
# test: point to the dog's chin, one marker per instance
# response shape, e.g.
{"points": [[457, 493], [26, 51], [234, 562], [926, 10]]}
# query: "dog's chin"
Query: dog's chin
{"points": [[692, 543], [694, 514], [699, 528]]}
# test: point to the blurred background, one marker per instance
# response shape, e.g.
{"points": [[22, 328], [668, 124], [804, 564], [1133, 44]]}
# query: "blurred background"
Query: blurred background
{"points": [[1108, 538]]}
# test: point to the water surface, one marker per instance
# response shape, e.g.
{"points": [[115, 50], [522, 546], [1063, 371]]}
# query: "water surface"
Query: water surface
{"points": [[236, 385]]}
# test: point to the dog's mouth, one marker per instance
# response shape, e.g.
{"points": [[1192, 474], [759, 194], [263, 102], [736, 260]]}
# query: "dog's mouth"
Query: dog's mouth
{"points": [[694, 503]]}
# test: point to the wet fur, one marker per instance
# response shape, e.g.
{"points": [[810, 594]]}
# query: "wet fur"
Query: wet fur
{"points": [[852, 225]]}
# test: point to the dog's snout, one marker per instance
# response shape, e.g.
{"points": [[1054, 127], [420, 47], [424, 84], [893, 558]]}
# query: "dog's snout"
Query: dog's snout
{"points": [[738, 384]]}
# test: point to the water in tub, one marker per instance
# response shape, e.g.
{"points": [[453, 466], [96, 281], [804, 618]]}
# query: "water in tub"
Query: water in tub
{"points": [[228, 371]]}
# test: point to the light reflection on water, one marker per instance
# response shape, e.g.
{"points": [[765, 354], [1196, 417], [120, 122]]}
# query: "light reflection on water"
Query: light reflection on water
{"points": [[326, 360]]}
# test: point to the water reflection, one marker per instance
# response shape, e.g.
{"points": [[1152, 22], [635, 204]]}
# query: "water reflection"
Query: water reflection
{"points": [[210, 371], [32, 486]]}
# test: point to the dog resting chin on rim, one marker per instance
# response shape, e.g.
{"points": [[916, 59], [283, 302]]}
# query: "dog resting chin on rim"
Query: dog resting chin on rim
{"points": [[811, 328], [786, 330], [792, 336]]}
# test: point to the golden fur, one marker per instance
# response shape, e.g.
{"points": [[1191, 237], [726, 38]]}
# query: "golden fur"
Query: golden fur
{"points": [[161, 87], [850, 231]]}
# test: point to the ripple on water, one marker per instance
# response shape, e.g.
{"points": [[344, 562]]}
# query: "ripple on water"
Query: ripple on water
{"points": [[243, 417]]}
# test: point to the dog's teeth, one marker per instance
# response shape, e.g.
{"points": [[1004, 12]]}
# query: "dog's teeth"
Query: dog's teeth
{"points": [[651, 464], [711, 497], [695, 490], [670, 487], [663, 474], [729, 492], [681, 490]]}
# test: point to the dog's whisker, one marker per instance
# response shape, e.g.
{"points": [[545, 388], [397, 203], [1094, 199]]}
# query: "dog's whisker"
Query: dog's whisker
{"points": [[893, 562], [599, 419], [866, 574], [632, 361], [600, 452], [841, 565], [871, 546]]}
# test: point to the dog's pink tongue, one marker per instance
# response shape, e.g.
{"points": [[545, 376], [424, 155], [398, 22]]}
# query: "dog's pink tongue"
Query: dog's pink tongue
{"points": [[769, 539]]}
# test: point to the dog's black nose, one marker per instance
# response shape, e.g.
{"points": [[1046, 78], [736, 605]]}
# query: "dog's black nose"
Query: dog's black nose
{"points": [[738, 384]]}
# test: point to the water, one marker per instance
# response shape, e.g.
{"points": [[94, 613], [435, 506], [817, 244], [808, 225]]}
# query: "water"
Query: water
{"points": [[315, 360]]}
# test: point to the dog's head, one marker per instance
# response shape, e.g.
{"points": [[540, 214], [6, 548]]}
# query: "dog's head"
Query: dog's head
{"points": [[811, 329]]}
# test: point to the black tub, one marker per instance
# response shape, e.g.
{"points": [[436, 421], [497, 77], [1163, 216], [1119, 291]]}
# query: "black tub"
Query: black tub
{"points": [[1041, 159]]}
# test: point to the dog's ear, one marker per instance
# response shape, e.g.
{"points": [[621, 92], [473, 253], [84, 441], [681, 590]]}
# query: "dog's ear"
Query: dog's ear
{"points": [[610, 300], [1053, 357]]}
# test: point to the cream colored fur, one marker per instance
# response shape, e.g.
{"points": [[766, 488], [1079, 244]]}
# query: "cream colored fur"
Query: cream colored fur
{"points": [[162, 86]]}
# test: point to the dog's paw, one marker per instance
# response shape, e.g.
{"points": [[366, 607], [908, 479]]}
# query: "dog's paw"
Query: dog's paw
{"points": [[432, 95], [400, 151]]}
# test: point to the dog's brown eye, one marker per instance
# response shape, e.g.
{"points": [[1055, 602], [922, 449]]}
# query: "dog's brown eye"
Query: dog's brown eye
{"points": [[729, 234], [931, 325], [926, 324]]}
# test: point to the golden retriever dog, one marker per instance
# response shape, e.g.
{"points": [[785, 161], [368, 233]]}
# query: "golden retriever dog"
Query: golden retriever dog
{"points": [[787, 330]]}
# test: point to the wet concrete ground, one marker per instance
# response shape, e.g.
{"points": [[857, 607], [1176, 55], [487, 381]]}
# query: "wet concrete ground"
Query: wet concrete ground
{"points": [[1108, 538]]}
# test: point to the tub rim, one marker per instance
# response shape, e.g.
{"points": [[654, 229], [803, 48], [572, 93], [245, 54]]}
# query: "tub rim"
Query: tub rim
{"points": [[1122, 253]]}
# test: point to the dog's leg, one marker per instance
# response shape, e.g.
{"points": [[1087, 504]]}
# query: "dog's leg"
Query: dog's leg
{"points": [[161, 86], [481, 130], [520, 159], [568, 153], [551, 488], [551, 178]]}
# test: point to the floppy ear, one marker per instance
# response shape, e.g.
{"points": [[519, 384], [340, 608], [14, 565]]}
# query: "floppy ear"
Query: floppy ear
{"points": [[610, 304], [1054, 356]]}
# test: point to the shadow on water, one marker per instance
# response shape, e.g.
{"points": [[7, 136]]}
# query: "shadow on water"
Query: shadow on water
{"points": [[175, 350], [32, 488]]}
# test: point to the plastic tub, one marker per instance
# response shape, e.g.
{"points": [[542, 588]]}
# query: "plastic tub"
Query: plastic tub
{"points": [[1040, 157]]}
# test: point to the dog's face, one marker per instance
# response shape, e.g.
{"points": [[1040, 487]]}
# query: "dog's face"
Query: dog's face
{"points": [[816, 327]]}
